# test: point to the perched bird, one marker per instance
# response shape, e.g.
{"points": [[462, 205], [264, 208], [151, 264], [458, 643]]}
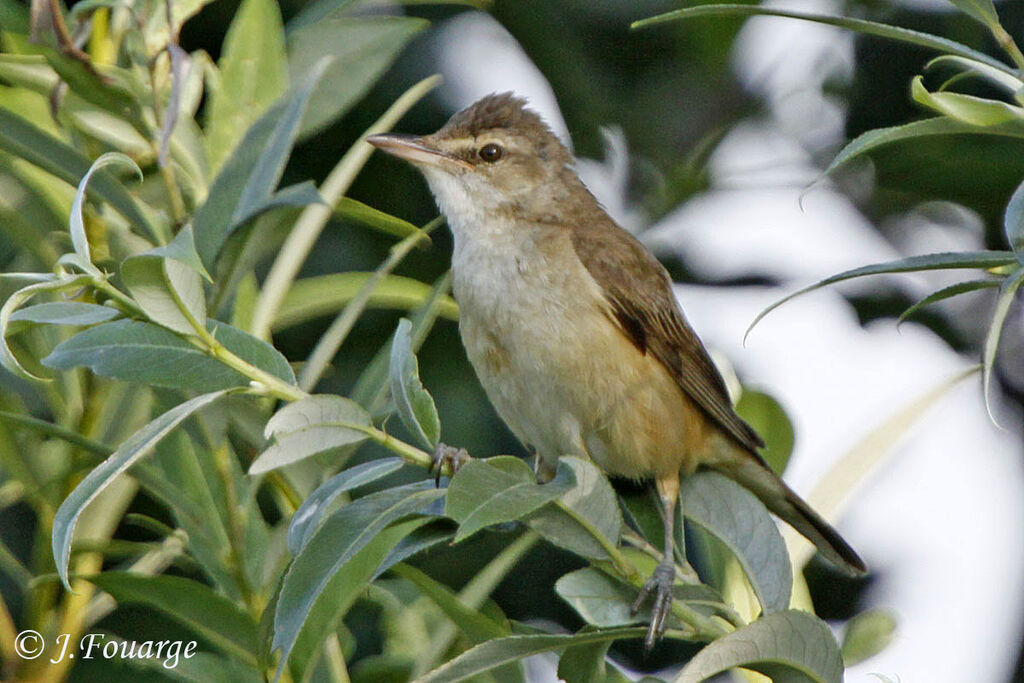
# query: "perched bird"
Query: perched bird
{"points": [[572, 327]]}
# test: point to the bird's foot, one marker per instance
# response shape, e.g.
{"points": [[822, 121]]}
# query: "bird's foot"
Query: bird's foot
{"points": [[660, 584], [453, 458]]}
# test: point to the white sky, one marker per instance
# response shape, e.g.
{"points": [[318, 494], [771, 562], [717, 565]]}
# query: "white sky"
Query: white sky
{"points": [[942, 519]]}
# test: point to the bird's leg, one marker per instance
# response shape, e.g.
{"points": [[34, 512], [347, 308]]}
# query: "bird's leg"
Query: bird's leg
{"points": [[664, 575], [453, 457]]}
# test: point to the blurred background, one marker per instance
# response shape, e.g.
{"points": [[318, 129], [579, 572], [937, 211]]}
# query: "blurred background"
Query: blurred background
{"points": [[708, 139]]}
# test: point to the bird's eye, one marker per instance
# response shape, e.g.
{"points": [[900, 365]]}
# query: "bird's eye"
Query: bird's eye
{"points": [[491, 152]]}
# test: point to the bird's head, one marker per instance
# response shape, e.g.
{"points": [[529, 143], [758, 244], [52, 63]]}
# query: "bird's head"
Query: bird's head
{"points": [[494, 157]]}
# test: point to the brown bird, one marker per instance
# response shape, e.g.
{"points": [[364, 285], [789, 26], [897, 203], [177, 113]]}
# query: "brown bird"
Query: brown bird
{"points": [[573, 329]]}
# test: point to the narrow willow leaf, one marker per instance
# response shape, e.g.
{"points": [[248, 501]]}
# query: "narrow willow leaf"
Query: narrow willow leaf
{"points": [[356, 211], [253, 73], [169, 292], [65, 313], [319, 409], [790, 647], [737, 518], [1013, 222], [359, 48], [484, 492], [323, 295], [23, 139], [305, 443], [1008, 82], [307, 517], [192, 604], [78, 237], [477, 627], [415, 406], [138, 445], [248, 179], [28, 71], [500, 651], [976, 111], [982, 11], [336, 542], [299, 194], [429, 536], [946, 293], [314, 425], [943, 261], [988, 358], [870, 28], [591, 500], [179, 64], [142, 352], [17, 299], [867, 634]]}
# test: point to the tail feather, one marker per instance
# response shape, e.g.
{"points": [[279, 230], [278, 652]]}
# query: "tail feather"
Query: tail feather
{"points": [[753, 474]]}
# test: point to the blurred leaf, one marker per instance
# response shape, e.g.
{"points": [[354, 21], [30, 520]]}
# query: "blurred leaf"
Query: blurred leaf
{"points": [[361, 49], [139, 445], [415, 405], [588, 664], [204, 667], [14, 16], [499, 651], [253, 74], [1008, 82], [943, 261], [188, 602], [109, 88], [313, 425], [142, 352], [769, 419], [338, 540], [321, 295], [306, 519], [14, 301], [299, 194], [79, 239], [738, 519], [65, 313], [988, 358], [485, 492], [982, 11], [28, 71], [946, 293], [475, 625], [867, 634], [1013, 222], [870, 28], [591, 500], [24, 140], [179, 64], [247, 180], [976, 111], [356, 211]]}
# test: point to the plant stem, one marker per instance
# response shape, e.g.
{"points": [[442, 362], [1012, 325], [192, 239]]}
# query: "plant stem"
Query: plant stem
{"points": [[1006, 42]]}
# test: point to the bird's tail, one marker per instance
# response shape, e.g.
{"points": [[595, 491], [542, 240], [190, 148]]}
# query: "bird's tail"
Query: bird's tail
{"points": [[753, 473]]}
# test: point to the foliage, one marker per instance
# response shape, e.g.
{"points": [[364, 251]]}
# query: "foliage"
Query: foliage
{"points": [[269, 533]]}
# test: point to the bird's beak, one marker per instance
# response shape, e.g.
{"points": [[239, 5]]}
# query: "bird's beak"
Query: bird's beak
{"points": [[417, 151]]}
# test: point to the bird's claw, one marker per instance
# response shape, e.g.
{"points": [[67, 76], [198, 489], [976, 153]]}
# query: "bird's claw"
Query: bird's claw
{"points": [[453, 457], [660, 584]]}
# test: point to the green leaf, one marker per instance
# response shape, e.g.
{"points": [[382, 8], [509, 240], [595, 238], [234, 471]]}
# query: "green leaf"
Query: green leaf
{"points": [[988, 357], [946, 293], [1008, 82], [939, 125], [867, 634], [942, 261], [769, 419], [976, 111], [737, 518], [982, 11], [415, 406], [353, 210], [500, 651], [25, 140], [1013, 222], [322, 295], [169, 289], [190, 603], [591, 500], [307, 517], [589, 664], [361, 49], [247, 180], [790, 647], [65, 313], [15, 300], [496, 490], [204, 667], [107, 87], [338, 540], [870, 28], [477, 627], [142, 352], [137, 446], [428, 536], [253, 74], [28, 71], [299, 194]]}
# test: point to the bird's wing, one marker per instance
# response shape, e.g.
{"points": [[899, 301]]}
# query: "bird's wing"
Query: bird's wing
{"points": [[639, 291]]}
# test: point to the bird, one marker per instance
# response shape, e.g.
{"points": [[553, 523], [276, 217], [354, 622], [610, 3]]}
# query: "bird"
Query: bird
{"points": [[574, 332]]}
